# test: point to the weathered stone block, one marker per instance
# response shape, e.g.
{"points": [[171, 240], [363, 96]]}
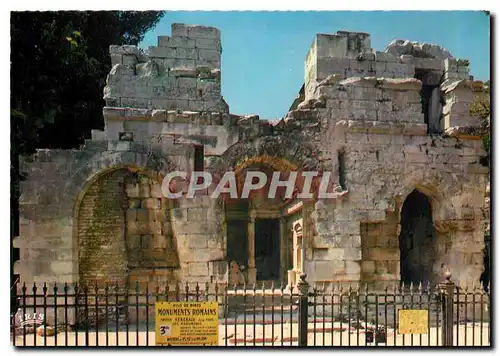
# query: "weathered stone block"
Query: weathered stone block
{"points": [[383, 254], [153, 227], [376, 215], [186, 53], [133, 227], [341, 214], [118, 146], [159, 242], [61, 267], [393, 267], [162, 52], [198, 269], [204, 43], [144, 191], [206, 32], [197, 214], [208, 55], [190, 83], [368, 267], [381, 267], [167, 226], [325, 270], [133, 241], [179, 30], [134, 203], [132, 190], [352, 254], [131, 215], [134, 103], [163, 40], [120, 69], [192, 240], [352, 267], [129, 60], [116, 59], [155, 191], [146, 241], [196, 105], [181, 42], [142, 215], [215, 243], [327, 254], [151, 203]]}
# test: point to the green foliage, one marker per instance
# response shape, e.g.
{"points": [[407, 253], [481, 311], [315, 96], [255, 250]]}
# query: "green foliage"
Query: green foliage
{"points": [[59, 63]]}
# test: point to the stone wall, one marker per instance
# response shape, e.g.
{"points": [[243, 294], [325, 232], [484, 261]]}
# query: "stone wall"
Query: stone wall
{"points": [[379, 127], [181, 73], [383, 123], [380, 250], [101, 247]]}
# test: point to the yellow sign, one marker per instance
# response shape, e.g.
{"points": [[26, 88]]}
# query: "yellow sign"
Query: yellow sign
{"points": [[187, 323], [413, 321]]}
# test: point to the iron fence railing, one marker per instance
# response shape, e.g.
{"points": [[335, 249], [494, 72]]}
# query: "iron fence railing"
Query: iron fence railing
{"points": [[318, 314]]}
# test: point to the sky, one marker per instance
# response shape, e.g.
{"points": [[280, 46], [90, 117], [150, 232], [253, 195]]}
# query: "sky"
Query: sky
{"points": [[263, 53]]}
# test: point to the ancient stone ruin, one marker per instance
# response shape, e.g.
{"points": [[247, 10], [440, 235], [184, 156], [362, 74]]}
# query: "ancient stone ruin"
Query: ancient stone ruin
{"points": [[393, 127]]}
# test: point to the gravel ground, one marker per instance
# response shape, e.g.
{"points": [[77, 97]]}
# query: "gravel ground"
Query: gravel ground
{"points": [[319, 334]]}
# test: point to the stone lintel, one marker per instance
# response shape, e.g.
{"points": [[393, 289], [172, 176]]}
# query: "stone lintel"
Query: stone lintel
{"points": [[157, 115], [378, 127], [404, 84]]}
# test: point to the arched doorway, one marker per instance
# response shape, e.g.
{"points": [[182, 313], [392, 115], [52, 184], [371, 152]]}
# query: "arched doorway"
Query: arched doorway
{"points": [[417, 240], [260, 240], [123, 229], [255, 228]]}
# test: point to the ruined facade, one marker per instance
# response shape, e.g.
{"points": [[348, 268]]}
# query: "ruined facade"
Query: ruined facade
{"points": [[393, 127]]}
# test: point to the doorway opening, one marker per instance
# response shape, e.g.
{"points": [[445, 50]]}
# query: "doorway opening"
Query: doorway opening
{"points": [[417, 240], [431, 99], [267, 249]]}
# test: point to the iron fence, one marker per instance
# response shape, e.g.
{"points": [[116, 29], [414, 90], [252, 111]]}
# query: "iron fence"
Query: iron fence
{"points": [[318, 314]]}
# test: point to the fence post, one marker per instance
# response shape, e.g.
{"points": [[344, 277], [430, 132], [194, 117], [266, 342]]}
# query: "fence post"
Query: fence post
{"points": [[303, 289], [447, 287]]}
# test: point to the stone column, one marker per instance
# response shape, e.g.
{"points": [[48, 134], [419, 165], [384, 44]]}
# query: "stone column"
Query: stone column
{"points": [[283, 248], [252, 272]]}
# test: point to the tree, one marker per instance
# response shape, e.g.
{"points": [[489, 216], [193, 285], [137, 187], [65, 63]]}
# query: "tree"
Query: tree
{"points": [[59, 63]]}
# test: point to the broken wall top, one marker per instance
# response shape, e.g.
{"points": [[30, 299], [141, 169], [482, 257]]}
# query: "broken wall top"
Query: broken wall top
{"points": [[350, 55], [181, 73]]}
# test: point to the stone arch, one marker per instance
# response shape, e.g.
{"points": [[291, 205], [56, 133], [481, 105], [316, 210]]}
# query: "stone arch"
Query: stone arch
{"points": [[151, 164], [105, 192], [251, 225], [99, 224], [432, 192], [286, 152]]}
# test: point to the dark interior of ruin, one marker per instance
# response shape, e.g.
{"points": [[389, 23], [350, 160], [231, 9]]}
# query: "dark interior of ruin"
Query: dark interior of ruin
{"points": [[341, 159], [417, 239], [237, 250], [198, 158], [431, 99], [267, 249]]}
